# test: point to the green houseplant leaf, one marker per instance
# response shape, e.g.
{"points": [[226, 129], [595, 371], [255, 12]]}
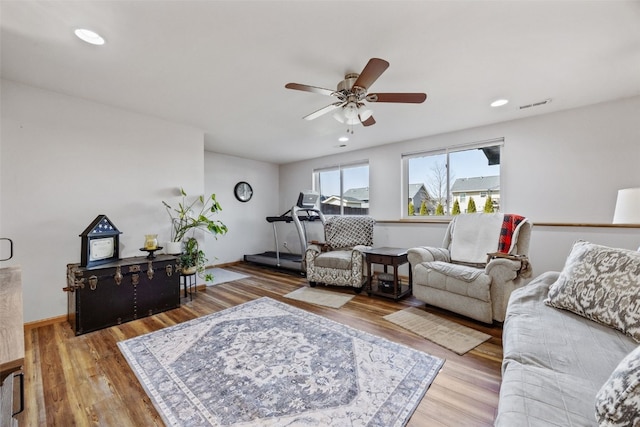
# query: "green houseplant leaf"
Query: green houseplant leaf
{"points": [[188, 217], [196, 215]]}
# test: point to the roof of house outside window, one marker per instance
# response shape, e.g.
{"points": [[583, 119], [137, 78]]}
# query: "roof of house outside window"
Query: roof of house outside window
{"points": [[361, 193], [346, 201], [478, 183], [414, 189]]}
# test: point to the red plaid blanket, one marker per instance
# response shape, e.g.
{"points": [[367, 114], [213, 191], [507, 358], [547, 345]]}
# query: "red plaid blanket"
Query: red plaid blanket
{"points": [[510, 223]]}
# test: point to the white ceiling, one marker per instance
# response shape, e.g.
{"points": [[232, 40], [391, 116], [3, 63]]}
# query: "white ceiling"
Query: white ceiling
{"points": [[221, 66]]}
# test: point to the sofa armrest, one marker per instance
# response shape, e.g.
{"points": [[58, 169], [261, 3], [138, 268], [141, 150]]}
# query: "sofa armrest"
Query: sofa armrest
{"points": [[519, 262], [422, 254], [506, 275], [503, 269], [313, 250]]}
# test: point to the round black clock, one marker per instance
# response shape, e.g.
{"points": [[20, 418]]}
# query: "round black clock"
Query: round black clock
{"points": [[243, 191]]}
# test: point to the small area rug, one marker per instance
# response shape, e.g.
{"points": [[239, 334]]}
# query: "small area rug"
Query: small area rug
{"points": [[448, 334], [320, 297], [268, 363], [220, 275]]}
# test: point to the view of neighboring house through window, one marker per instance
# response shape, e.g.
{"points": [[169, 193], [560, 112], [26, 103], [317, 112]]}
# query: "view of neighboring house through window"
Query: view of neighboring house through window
{"points": [[457, 180], [344, 189]]}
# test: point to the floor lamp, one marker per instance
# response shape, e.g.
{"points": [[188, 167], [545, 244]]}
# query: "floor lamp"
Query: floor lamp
{"points": [[627, 207]]}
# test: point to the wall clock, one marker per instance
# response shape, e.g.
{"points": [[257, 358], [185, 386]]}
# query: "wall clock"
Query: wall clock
{"points": [[243, 191]]}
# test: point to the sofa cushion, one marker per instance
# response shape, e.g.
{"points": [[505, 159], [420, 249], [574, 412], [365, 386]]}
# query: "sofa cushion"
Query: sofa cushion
{"points": [[554, 361], [536, 334], [601, 284], [535, 397], [340, 260], [618, 401], [425, 275], [457, 271]]}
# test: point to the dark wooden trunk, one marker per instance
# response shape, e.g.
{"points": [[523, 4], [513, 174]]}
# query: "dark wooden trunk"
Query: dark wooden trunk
{"points": [[120, 291]]}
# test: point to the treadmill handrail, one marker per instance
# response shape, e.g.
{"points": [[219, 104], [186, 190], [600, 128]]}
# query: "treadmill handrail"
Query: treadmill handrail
{"points": [[301, 231], [288, 218]]}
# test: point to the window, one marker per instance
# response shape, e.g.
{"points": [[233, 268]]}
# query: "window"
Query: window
{"points": [[344, 189], [455, 180]]}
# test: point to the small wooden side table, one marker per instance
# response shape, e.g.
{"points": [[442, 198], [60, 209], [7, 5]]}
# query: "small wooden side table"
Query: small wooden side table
{"points": [[393, 257]]}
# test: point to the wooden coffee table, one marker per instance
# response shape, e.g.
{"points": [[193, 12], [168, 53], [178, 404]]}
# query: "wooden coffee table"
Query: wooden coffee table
{"points": [[393, 257]]}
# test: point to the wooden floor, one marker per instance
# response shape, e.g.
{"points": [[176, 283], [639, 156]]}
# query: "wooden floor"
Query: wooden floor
{"points": [[86, 381]]}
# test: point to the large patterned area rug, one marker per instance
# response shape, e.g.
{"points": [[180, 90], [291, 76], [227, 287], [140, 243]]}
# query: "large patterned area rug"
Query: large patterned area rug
{"points": [[270, 364]]}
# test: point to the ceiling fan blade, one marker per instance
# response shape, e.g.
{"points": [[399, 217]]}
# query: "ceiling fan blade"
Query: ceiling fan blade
{"points": [[307, 88], [374, 69], [370, 121], [413, 98], [324, 110]]}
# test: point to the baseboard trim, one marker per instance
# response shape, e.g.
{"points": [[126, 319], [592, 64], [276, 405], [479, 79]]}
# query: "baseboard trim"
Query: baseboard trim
{"points": [[45, 322], [226, 264]]}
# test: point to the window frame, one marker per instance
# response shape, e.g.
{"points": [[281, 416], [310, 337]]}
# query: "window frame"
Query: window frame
{"points": [[340, 167], [405, 157]]}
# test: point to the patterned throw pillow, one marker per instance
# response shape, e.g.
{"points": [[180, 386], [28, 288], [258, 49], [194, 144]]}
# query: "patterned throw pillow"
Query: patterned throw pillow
{"points": [[618, 401], [601, 284]]}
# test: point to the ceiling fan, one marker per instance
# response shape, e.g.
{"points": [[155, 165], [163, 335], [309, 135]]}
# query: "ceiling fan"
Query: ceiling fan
{"points": [[353, 91]]}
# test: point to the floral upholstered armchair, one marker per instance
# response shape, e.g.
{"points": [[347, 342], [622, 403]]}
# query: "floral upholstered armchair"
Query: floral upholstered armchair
{"points": [[339, 259]]}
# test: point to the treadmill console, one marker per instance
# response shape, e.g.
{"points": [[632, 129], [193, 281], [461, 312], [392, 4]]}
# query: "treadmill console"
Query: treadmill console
{"points": [[307, 199]]}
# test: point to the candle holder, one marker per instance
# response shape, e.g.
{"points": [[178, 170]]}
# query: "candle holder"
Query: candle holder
{"points": [[152, 254], [150, 241], [151, 245]]}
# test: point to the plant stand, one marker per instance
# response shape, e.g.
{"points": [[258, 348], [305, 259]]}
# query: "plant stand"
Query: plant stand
{"points": [[188, 280]]}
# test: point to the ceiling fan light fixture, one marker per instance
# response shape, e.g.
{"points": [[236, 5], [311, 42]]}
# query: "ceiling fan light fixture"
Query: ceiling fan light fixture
{"points": [[352, 121], [364, 113], [351, 110], [347, 116], [89, 36]]}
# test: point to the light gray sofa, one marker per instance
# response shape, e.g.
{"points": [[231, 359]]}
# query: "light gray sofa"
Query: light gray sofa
{"points": [[555, 361]]}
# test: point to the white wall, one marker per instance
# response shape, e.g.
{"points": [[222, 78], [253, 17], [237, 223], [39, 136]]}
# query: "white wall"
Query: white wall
{"points": [[249, 232], [66, 160], [561, 167]]}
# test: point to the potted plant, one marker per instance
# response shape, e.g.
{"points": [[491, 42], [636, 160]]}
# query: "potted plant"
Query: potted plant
{"points": [[188, 217], [193, 260]]}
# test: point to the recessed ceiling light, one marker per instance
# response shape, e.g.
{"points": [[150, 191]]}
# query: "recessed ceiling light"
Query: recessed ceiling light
{"points": [[499, 102], [89, 36], [343, 139]]}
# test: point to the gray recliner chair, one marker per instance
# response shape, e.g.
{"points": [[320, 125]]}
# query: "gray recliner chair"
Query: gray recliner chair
{"points": [[483, 258], [339, 260]]}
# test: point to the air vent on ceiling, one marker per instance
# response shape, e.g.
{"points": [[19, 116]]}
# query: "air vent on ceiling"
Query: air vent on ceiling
{"points": [[535, 104]]}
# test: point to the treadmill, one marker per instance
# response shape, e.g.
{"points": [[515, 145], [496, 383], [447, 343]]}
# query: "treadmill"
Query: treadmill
{"points": [[304, 211]]}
